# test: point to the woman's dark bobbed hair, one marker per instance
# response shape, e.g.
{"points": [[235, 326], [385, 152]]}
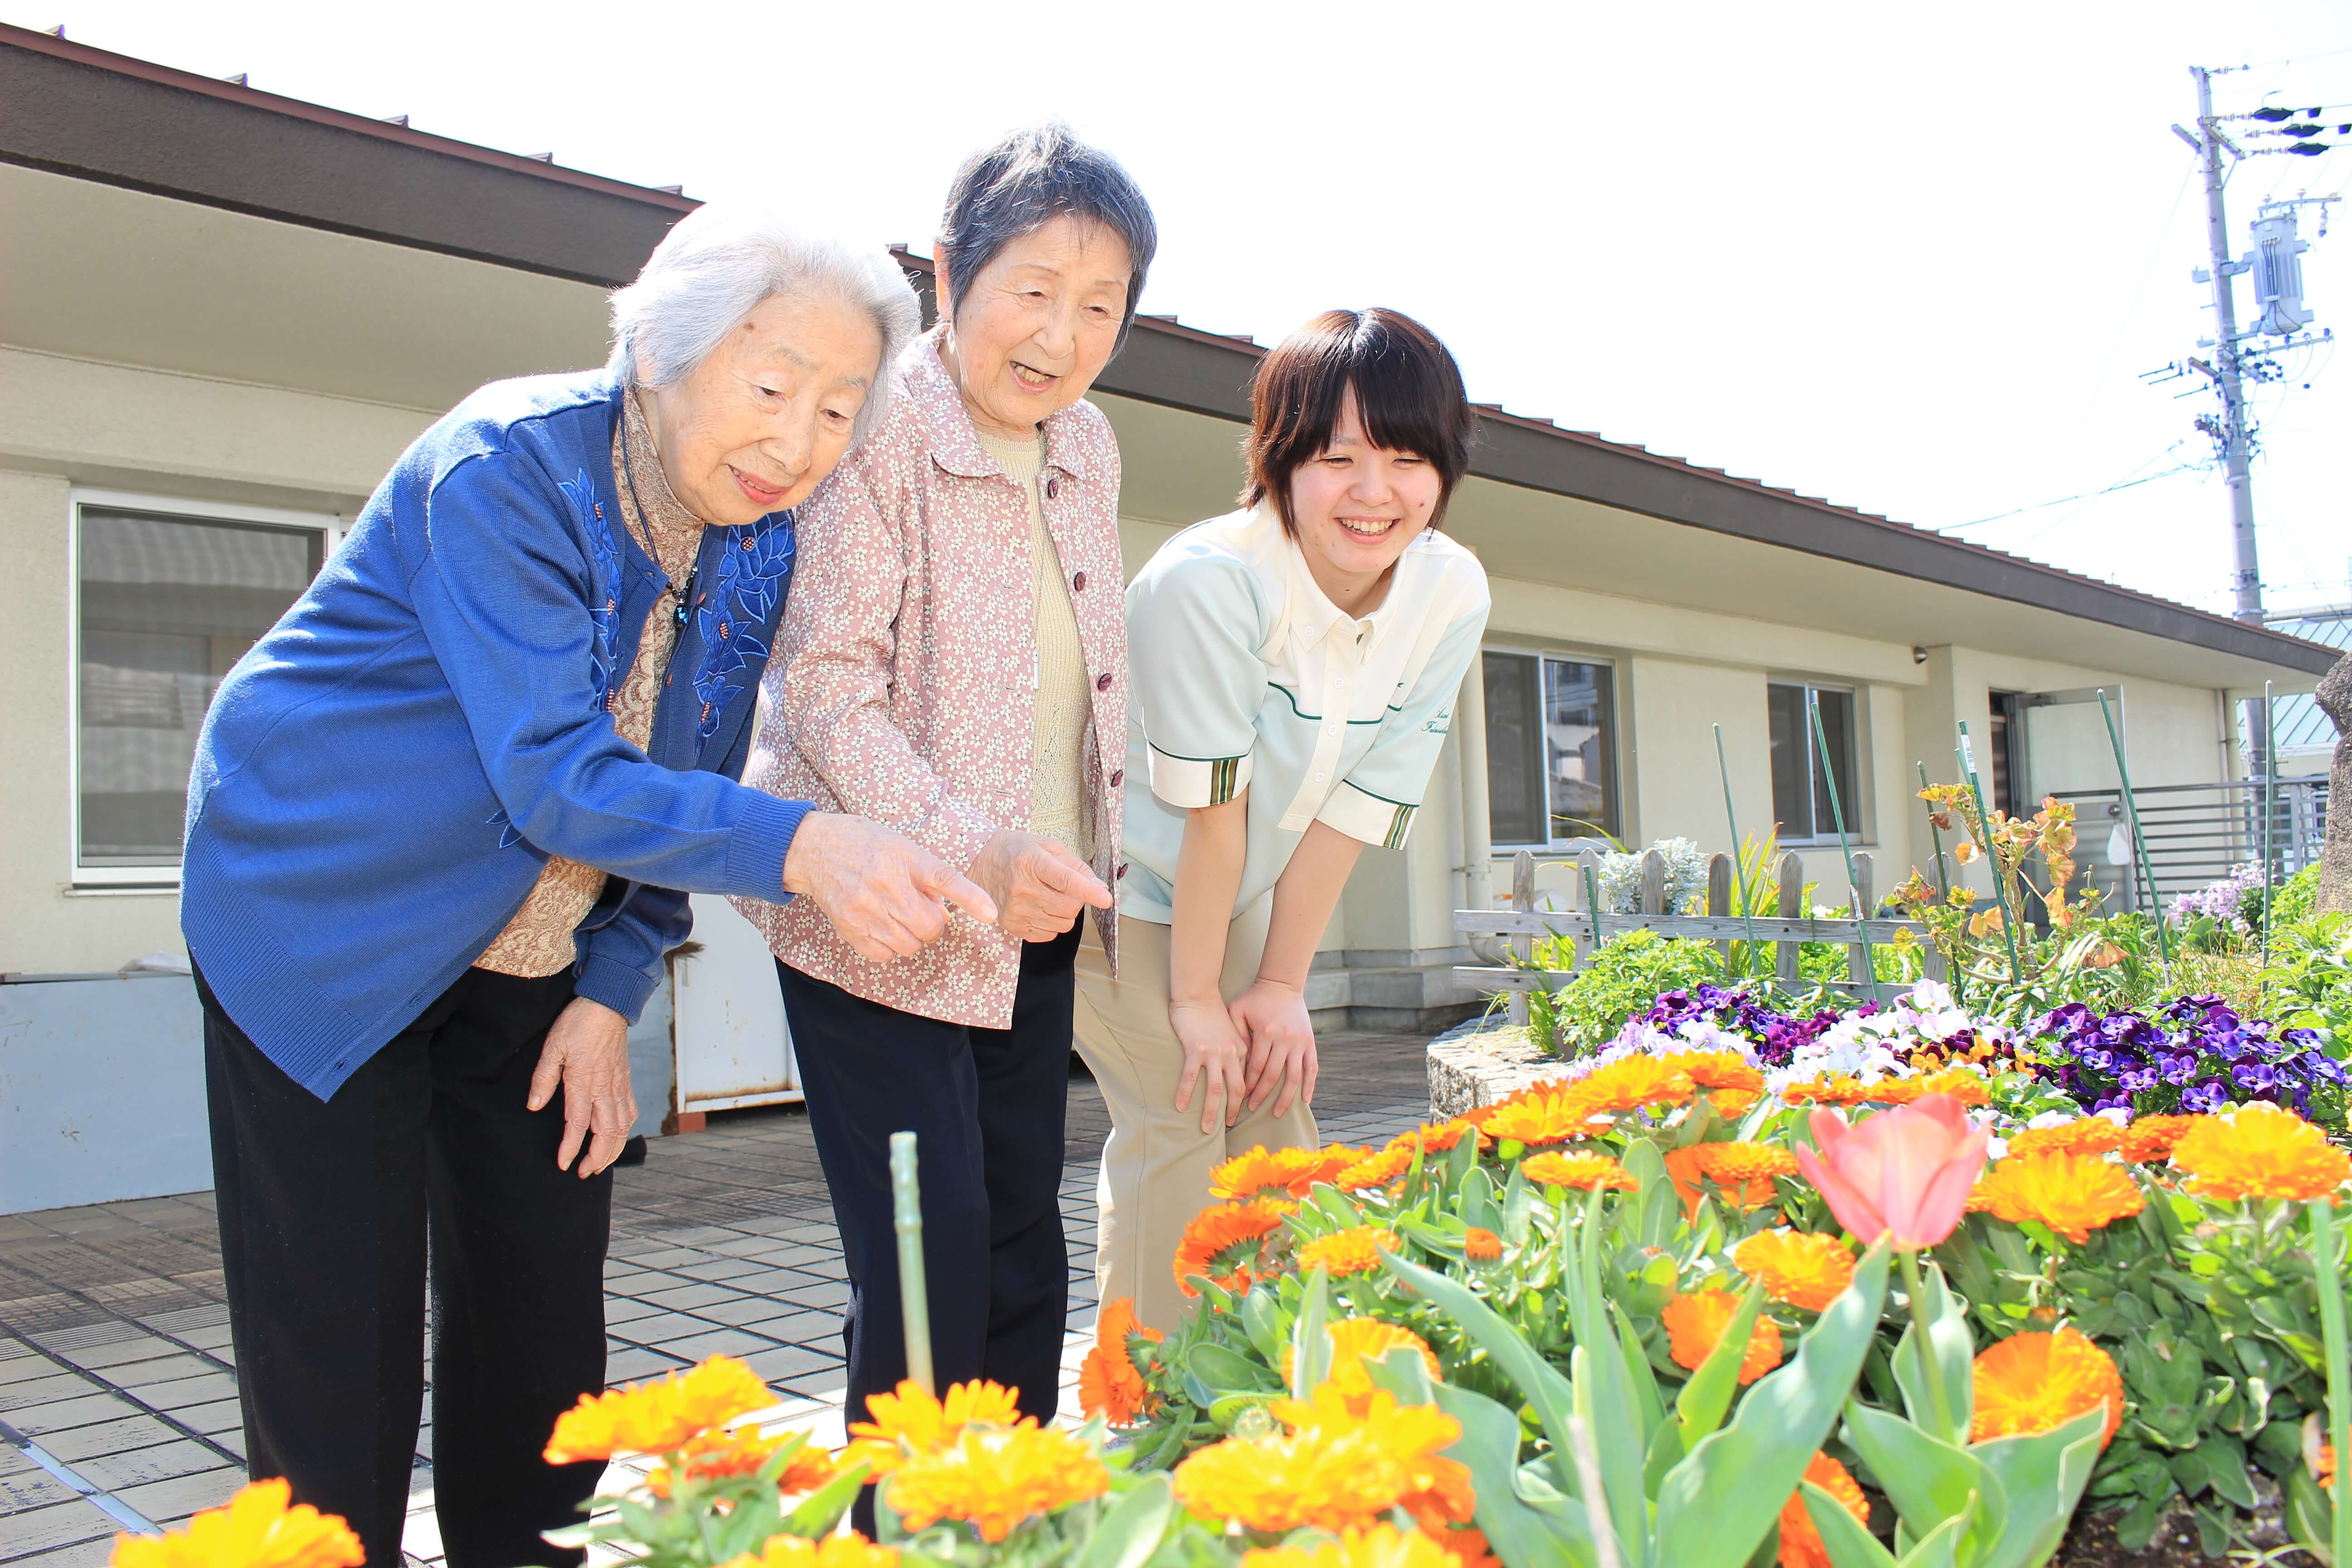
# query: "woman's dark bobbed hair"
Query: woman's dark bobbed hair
{"points": [[1408, 392]]}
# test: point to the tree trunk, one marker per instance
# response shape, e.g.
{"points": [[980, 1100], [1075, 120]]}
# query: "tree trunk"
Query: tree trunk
{"points": [[2336, 863]]}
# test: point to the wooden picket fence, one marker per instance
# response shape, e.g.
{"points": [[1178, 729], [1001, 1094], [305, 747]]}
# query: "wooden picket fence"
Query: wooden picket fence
{"points": [[1518, 928]]}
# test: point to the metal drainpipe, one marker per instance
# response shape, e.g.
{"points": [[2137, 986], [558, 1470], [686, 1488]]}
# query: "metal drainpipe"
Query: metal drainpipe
{"points": [[1477, 821]]}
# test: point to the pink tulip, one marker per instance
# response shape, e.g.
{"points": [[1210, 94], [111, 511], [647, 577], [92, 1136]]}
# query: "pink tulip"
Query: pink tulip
{"points": [[1904, 1174]]}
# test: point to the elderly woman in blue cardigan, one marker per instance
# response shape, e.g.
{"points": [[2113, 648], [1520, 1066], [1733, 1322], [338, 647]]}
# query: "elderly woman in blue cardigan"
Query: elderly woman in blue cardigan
{"points": [[441, 829]]}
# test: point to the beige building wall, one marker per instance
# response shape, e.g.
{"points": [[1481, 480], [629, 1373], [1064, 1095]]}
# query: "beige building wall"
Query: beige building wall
{"points": [[66, 422]]}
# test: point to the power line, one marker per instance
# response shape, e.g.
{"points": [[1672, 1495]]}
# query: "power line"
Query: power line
{"points": [[2087, 495]]}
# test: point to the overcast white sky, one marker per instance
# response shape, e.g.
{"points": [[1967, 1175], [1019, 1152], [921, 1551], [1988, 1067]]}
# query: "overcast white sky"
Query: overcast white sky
{"points": [[1911, 258]]}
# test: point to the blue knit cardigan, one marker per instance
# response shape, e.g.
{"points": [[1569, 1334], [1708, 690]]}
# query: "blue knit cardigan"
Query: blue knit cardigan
{"points": [[381, 778]]}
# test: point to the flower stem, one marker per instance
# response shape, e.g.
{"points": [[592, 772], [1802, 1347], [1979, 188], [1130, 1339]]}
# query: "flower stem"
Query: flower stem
{"points": [[1939, 1403], [2325, 1276]]}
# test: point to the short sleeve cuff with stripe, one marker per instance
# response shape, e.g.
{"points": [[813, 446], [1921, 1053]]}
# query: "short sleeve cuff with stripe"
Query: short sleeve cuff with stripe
{"points": [[1188, 782], [1362, 815]]}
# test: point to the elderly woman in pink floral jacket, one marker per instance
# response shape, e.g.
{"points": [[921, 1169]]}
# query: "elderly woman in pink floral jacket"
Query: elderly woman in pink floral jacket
{"points": [[954, 664]]}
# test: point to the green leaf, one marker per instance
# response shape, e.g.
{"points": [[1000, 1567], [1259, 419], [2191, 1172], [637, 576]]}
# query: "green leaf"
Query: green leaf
{"points": [[1666, 1451], [1605, 1398], [1929, 1480], [1847, 1541], [2041, 1480], [1940, 1547], [2310, 1518], [822, 1510], [1311, 1346], [1403, 1373], [1478, 1205], [1262, 1322], [1648, 1403], [1714, 1506], [1699, 1408], [1518, 1208], [1522, 1534], [1509, 1349], [1948, 1331], [1227, 1373], [1130, 1530]]}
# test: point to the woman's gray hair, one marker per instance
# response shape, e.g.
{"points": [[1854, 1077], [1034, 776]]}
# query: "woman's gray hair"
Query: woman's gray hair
{"points": [[1025, 182], [715, 266]]}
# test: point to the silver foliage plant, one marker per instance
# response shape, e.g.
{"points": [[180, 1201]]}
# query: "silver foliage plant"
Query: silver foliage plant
{"points": [[1621, 878]]}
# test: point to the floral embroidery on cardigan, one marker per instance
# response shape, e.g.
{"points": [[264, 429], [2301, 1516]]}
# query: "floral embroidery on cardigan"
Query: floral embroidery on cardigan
{"points": [[603, 585], [754, 564]]}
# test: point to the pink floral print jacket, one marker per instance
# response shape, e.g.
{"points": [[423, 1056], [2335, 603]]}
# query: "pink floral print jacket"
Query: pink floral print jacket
{"points": [[902, 686]]}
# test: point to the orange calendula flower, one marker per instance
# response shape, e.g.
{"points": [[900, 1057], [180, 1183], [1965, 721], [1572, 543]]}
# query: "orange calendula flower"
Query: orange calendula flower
{"points": [[2084, 1135], [1227, 1244], [1337, 1468], [2034, 1382], [1291, 1173], [1356, 1339], [1355, 1251], [1382, 1546], [847, 1549], [1436, 1137], [1721, 1070], [1556, 1117], [2259, 1152], [1631, 1082], [993, 1477], [2323, 1469], [744, 1452], [1969, 1088], [1108, 1381], [1743, 1172], [1695, 1326], [1801, 1268], [2150, 1137], [1829, 1089], [1374, 1170], [1467, 1546], [910, 1419], [255, 1529], [1480, 1244], [2073, 1194], [1801, 1542], [1589, 1173], [654, 1417]]}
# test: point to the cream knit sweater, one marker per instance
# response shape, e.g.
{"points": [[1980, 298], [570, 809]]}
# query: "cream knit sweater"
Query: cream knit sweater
{"points": [[1065, 703]]}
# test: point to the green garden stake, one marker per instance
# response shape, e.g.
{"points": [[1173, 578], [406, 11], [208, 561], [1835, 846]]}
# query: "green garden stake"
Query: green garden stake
{"points": [[1739, 846], [1845, 847], [1943, 873], [1592, 904], [1964, 755], [2270, 815], [2337, 1354], [2139, 840], [906, 1219]]}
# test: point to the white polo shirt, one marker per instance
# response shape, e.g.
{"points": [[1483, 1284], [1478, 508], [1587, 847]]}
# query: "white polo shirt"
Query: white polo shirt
{"points": [[1242, 675]]}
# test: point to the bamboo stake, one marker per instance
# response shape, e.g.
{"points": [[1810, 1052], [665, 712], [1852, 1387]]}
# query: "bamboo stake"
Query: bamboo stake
{"points": [[1845, 847], [2139, 840], [1964, 755], [906, 1219], [1943, 880], [1739, 852], [2269, 813]]}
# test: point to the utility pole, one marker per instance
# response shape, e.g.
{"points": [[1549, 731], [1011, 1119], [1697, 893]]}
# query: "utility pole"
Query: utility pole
{"points": [[2235, 436]]}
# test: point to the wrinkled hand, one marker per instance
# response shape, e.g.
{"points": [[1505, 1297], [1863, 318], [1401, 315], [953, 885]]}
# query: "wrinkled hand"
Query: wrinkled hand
{"points": [[1273, 1018], [1039, 886], [1214, 1055], [885, 894], [587, 1051]]}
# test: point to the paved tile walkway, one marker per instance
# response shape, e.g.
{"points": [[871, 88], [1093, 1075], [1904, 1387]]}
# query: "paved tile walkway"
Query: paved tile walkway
{"points": [[114, 1345]]}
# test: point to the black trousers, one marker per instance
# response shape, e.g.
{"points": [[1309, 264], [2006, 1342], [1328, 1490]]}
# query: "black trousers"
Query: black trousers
{"points": [[325, 1209], [985, 1106]]}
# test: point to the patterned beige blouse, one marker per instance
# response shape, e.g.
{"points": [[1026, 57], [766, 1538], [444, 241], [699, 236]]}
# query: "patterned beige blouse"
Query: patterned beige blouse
{"points": [[902, 687], [539, 942]]}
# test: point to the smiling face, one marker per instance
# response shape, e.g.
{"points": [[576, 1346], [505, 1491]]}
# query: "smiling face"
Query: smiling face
{"points": [[1355, 506], [766, 416], [1037, 325]]}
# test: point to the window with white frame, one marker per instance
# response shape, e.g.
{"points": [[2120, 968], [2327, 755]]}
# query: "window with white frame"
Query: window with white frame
{"points": [[1551, 748], [1800, 789], [168, 596]]}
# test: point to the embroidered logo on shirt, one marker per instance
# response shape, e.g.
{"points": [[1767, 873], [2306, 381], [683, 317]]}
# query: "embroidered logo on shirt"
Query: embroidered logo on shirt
{"points": [[603, 585]]}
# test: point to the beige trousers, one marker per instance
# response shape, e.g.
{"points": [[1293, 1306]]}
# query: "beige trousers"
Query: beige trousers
{"points": [[1155, 1168]]}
